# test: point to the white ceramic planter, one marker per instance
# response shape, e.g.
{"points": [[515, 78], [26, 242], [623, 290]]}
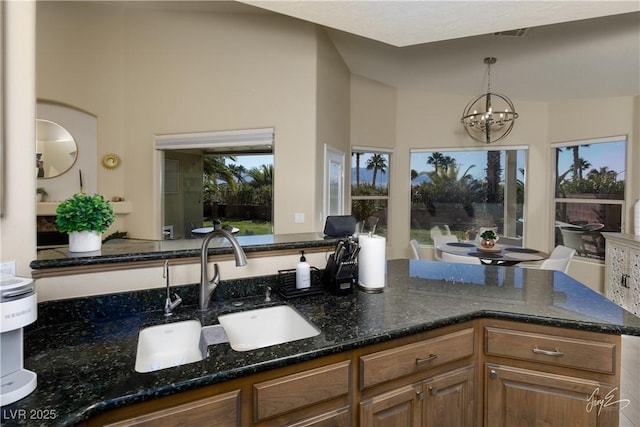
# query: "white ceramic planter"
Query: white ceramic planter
{"points": [[85, 241]]}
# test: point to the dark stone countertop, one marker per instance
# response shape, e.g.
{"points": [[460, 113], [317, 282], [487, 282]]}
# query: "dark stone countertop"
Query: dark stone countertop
{"points": [[84, 350], [132, 250]]}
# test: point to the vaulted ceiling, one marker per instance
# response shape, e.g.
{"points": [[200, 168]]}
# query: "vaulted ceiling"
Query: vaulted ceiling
{"points": [[568, 49]]}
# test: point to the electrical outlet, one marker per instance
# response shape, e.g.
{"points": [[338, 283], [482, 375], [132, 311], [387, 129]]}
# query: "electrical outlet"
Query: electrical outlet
{"points": [[299, 218], [8, 267]]}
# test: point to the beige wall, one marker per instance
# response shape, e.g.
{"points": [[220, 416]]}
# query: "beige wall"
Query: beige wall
{"points": [[17, 225], [429, 120], [145, 72], [332, 119]]}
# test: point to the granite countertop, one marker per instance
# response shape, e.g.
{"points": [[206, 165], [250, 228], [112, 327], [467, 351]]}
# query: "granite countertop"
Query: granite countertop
{"points": [[84, 352], [132, 250]]}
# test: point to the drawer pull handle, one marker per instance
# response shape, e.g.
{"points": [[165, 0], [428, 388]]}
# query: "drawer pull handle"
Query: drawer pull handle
{"points": [[555, 353], [420, 361]]}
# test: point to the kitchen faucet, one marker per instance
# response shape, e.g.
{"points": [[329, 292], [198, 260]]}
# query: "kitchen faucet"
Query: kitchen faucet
{"points": [[207, 287], [169, 305]]}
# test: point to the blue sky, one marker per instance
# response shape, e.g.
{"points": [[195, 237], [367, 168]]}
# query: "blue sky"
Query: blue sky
{"points": [[464, 159], [611, 154]]}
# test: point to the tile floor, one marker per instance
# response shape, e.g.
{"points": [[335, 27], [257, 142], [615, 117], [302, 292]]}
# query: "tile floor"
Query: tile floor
{"points": [[630, 381]]}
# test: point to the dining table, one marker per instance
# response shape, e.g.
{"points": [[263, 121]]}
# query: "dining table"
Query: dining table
{"points": [[499, 254]]}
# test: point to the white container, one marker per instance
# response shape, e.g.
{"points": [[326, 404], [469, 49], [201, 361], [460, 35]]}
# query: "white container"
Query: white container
{"points": [[303, 273], [85, 241], [636, 218], [372, 263]]}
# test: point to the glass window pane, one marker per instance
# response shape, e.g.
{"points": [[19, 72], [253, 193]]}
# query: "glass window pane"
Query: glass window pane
{"points": [[579, 226], [591, 171], [363, 209], [460, 191], [369, 174]]}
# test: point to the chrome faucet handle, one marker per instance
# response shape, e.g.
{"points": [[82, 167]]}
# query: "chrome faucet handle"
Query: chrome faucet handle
{"points": [[169, 305], [267, 294]]}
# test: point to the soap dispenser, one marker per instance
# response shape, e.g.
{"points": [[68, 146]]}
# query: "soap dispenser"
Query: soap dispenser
{"points": [[303, 273]]}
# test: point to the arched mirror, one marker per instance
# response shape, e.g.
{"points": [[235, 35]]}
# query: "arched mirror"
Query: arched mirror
{"points": [[56, 150]]}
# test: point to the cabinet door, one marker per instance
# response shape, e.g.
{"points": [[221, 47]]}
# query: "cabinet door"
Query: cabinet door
{"points": [[397, 408], [616, 266], [521, 397], [223, 409], [449, 399], [632, 303], [337, 418]]}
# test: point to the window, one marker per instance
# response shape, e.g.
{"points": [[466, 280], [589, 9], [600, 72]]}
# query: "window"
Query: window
{"points": [[589, 193], [370, 186], [333, 181], [461, 191], [220, 176]]}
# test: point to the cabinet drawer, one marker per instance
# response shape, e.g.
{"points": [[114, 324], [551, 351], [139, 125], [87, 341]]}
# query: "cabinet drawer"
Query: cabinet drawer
{"points": [[550, 349], [411, 358], [296, 391]]}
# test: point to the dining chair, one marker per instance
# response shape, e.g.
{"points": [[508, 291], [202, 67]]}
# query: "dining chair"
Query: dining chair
{"points": [[462, 259], [439, 240], [572, 238], [559, 259], [415, 247]]}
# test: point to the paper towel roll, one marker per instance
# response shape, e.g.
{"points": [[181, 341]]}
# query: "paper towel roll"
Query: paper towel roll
{"points": [[372, 262]]}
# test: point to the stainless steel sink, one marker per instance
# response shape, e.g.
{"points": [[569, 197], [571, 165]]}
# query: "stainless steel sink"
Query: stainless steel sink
{"points": [[263, 327]]}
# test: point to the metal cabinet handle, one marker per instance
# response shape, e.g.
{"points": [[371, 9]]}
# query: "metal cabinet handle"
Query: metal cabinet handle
{"points": [[624, 280], [555, 353], [420, 361]]}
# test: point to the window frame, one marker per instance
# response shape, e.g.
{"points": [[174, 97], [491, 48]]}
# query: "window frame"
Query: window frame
{"points": [[373, 150], [589, 201], [524, 148]]}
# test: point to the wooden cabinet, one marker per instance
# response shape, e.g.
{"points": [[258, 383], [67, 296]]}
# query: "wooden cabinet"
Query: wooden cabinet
{"points": [[622, 271], [483, 372], [427, 383], [537, 375], [399, 407], [444, 400], [525, 397], [223, 408], [449, 399], [282, 395]]}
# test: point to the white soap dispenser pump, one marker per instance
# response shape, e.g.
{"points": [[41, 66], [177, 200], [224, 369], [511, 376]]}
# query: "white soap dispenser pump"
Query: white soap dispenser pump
{"points": [[303, 273]]}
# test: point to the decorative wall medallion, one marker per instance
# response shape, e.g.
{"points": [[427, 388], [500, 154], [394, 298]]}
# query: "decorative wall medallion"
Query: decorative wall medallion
{"points": [[110, 161]]}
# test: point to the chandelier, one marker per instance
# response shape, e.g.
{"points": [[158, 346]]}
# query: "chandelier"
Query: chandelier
{"points": [[489, 117]]}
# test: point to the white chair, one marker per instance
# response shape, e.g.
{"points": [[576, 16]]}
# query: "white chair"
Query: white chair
{"points": [[436, 231], [559, 259], [462, 259], [440, 240], [415, 247]]}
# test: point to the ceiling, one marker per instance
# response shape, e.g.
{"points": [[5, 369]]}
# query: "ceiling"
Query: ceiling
{"points": [[570, 49]]}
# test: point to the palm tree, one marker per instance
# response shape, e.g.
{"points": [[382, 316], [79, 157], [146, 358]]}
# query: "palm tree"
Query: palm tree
{"points": [[215, 168], [358, 169], [436, 159], [493, 176], [261, 176], [378, 163], [238, 171]]}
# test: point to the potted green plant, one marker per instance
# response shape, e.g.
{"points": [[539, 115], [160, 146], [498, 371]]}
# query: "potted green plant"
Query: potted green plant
{"points": [[40, 194], [85, 218], [488, 239]]}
